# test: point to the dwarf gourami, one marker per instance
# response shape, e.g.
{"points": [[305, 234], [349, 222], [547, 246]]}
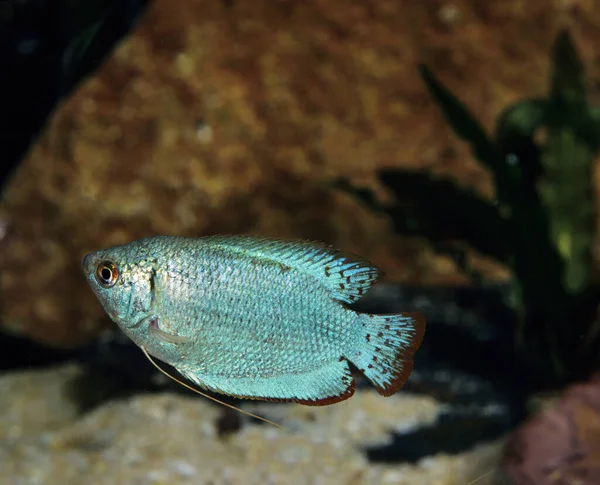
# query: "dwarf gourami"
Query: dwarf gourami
{"points": [[255, 317]]}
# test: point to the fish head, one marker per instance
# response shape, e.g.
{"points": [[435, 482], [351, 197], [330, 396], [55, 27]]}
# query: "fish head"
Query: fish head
{"points": [[122, 282]]}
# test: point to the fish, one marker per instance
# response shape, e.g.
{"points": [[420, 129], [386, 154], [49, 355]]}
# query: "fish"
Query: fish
{"points": [[255, 317]]}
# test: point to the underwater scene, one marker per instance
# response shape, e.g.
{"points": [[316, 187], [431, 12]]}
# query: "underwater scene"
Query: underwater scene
{"points": [[299, 242]]}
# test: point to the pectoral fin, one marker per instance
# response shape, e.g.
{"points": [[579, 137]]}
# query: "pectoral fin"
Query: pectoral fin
{"points": [[163, 336]]}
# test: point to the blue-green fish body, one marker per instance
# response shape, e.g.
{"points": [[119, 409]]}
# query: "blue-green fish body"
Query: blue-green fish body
{"points": [[255, 317]]}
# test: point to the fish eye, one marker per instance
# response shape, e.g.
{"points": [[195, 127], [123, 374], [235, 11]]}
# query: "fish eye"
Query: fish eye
{"points": [[107, 273]]}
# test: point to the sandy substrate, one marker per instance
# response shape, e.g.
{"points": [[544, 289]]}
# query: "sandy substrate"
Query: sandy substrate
{"points": [[173, 439]]}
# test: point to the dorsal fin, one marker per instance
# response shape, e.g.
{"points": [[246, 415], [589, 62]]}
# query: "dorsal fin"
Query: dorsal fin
{"points": [[348, 277]]}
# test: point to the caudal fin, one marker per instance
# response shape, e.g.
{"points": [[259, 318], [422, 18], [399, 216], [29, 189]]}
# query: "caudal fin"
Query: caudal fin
{"points": [[386, 348]]}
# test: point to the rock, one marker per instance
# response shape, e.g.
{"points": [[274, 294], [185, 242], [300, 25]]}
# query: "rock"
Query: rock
{"points": [[173, 439], [561, 444], [35, 402], [233, 117]]}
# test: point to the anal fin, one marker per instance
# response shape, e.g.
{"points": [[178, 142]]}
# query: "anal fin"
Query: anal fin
{"points": [[328, 384]]}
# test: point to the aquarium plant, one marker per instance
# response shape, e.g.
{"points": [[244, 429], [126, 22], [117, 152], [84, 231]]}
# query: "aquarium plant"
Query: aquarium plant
{"points": [[540, 223]]}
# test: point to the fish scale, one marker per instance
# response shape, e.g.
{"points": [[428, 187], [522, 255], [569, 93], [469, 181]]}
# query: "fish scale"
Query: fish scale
{"points": [[238, 330], [255, 317]]}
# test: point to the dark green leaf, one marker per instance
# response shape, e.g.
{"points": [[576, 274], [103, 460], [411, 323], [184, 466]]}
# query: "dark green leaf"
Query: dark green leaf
{"points": [[448, 212], [462, 122], [521, 119], [567, 77], [515, 131], [568, 159]]}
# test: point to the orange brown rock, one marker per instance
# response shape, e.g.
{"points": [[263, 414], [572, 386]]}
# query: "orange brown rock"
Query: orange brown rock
{"points": [[215, 119]]}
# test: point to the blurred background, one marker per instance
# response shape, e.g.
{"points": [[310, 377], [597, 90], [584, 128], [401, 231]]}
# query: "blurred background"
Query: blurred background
{"points": [[452, 143]]}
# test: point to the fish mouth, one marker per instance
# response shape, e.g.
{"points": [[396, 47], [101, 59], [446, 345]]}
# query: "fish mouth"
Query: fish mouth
{"points": [[88, 266], [87, 262]]}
